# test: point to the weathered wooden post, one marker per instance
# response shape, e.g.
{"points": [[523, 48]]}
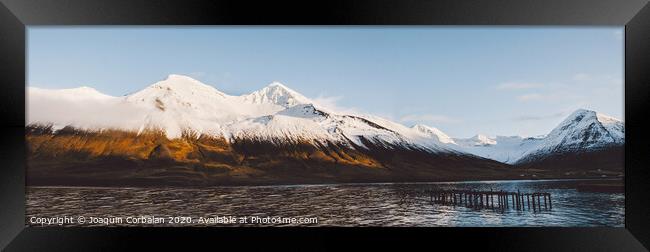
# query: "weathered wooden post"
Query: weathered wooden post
{"points": [[532, 196], [491, 200], [454, 197], [550, 205], [509, 197], [451, 197], [460, 198], [470, 197], [465, 196], [487, 200], [499, 199], [517, 199], [504, 204], [473, 199]]}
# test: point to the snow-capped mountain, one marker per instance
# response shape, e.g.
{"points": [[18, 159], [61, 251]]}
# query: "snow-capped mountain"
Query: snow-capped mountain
{"points": [[431, 132], [277, 135], [278, 94], [582, 131], [277, 113], [181, 104], [477, 140], [505, 149]]}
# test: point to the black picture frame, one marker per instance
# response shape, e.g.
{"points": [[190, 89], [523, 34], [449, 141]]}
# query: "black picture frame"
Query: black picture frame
{"points": [[15, 15]]}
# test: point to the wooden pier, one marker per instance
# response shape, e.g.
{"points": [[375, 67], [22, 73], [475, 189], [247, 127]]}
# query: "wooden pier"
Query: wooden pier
{"points": [[497, 200]]}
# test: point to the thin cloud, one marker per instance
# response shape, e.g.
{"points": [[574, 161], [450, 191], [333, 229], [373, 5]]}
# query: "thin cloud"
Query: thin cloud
{"points": [[539, 117], [327, 101], [331, 102], [428, 118], [550, 97], [576, 87], [531, 97], [519, 85]]}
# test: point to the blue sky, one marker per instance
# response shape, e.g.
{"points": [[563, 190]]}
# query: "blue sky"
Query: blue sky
{"points": [[463, 80]]}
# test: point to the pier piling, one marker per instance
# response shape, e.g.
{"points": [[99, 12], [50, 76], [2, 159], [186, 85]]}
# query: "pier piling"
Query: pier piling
{"points": [[496, 200]]}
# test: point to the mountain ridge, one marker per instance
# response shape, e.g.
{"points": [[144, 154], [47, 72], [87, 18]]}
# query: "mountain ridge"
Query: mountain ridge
{"points": [[180, 103], [170, 120]]}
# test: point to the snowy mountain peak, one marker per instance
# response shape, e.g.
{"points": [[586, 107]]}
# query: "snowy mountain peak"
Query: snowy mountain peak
{"points": [[176, 82], [179, 88], [278, 94], [277, 87], [277, 84], [483, 140], [180, 77], [580, 131], [583, 130], [180, 103], [422, 128], [578, 120], [433, 132], [585, 115], [579, 115]]}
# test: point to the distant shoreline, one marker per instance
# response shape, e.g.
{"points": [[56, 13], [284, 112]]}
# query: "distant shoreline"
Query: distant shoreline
{"points": [[617, 179]]}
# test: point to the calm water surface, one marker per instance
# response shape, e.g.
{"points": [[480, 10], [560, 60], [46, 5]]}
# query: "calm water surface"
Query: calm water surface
{"points": [[332, 205]]}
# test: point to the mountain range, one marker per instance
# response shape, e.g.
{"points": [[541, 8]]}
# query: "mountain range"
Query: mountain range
{"points": [[182, 131]]}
